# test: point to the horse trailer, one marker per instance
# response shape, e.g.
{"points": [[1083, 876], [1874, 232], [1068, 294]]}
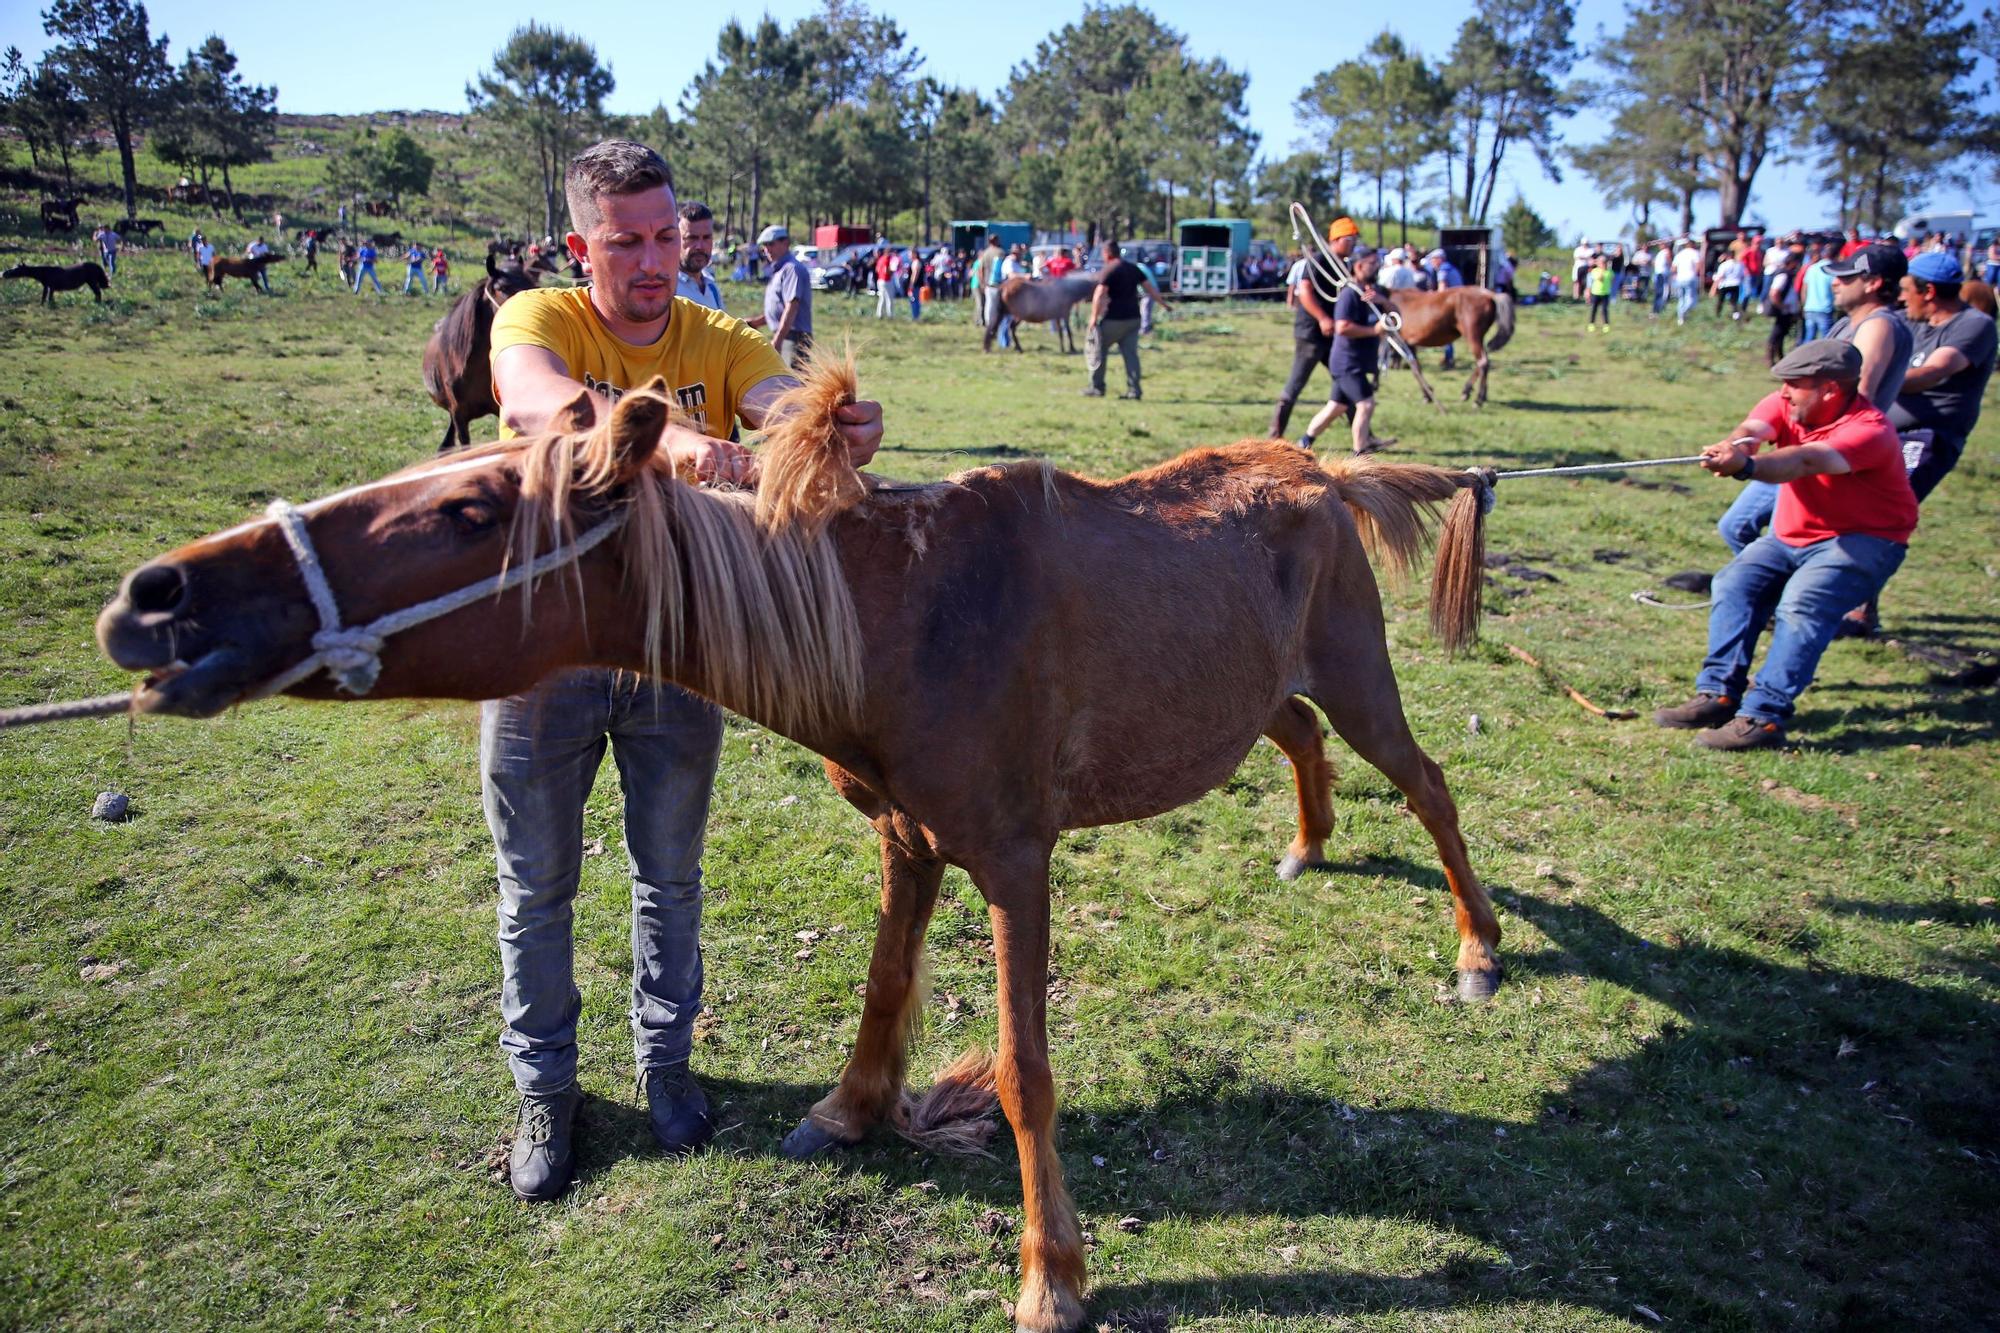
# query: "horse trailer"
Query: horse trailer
{"points": [[1208, 253], [1474, 251], [969, 237]]}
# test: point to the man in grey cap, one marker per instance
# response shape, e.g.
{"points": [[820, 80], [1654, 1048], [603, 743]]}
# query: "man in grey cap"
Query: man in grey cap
{"points": [[788, 298], [1843, 523]]}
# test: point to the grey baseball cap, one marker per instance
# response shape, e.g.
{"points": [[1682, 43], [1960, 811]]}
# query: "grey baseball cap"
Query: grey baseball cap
{"points": [[1820, 359], [774, 232]]}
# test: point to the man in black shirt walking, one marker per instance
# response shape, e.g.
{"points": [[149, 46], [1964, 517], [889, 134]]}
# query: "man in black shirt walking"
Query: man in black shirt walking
{"points": [[1357, 334], [1114, 318]]}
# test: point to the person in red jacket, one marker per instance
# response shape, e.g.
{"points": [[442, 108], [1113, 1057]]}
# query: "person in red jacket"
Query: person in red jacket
{"points": [[1843, 523]]}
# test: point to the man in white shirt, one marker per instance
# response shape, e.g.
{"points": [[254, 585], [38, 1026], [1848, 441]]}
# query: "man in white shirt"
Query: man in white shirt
{"points": [[1687, 279], [695, 281], [1729, 276], [1663, 276], [1579, 265]]}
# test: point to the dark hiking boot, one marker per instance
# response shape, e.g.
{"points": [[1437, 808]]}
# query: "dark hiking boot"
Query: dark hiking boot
{"points": [[677, 1107], [1704, 710], [543, 1158], [1129, 397], [1742, 733], [1093, 393]]}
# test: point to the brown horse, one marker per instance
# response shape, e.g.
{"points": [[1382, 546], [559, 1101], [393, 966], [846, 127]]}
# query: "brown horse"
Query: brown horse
{"points": [[1979, 295], [1435, 319], [458, 373], [233, 266], [983, 663], [1039, 301], [64, 279]]}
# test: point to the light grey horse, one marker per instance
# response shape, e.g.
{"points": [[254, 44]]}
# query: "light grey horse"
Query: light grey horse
{"points": [[1039, 301]]}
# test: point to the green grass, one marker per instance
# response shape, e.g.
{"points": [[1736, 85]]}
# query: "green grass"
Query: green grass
{"points": [[1740, 1072]]}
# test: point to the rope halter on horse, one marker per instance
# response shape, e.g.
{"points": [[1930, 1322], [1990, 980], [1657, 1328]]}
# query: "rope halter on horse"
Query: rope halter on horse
{"points": [[352, 654]]}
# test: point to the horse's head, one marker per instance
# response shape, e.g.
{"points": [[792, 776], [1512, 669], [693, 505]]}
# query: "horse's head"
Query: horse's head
{"points": [[237, 615]]}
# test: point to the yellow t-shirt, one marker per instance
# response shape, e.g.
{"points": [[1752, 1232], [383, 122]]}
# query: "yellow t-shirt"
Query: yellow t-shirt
{"points": [[709, 360]]}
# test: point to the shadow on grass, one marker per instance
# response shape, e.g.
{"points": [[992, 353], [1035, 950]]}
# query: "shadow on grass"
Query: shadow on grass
{"points": [[1798, 1146], [1938, 719], [1532, 405]]}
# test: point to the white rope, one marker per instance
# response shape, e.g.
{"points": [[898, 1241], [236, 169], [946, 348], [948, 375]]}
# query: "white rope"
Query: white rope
{"points": [[1597, 467], [352, 655]]}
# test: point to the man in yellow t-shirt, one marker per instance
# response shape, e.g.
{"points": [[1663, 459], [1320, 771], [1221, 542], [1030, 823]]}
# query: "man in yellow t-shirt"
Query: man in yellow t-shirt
{"points": [[539, 752]]}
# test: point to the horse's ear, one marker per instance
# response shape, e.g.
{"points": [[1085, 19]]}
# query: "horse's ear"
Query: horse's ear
{"points": [[636, 423], [578, 414]]}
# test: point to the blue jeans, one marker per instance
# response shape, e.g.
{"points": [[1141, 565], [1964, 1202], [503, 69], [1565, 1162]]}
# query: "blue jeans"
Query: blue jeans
{"points": [[1818, 324], [1659, 292], [1690, 297], [415, 275], [366, 271], [1745, 520], [538, 756], [1801, 592], [110, 263]]}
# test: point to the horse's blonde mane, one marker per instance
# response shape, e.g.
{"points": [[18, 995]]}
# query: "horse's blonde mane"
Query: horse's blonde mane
{"points": [[774, 634]]}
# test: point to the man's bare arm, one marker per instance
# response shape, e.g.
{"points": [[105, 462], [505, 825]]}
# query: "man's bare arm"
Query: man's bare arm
{"points": [[1876, 345], [1940, 365], [533, 385]]}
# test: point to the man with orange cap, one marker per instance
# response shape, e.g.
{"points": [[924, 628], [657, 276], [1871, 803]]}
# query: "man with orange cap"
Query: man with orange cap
{"points": [[1311, 295]]}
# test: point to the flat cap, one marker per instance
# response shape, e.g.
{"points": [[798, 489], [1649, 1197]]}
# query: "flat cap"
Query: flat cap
{"points": [[774, 232], [1820, 359]]}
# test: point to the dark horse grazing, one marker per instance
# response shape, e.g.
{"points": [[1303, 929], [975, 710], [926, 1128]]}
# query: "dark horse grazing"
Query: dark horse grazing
{"points": [[1040, 301], [238, 266], [983, 663], [458, 373], [1434, 319], [67, 279]]}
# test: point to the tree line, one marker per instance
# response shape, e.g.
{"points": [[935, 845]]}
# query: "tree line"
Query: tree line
{"points": [[1114, 121]]}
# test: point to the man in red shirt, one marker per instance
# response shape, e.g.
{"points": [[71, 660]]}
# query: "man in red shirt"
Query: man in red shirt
{"points": [[1060, 265], [1843, 524]]}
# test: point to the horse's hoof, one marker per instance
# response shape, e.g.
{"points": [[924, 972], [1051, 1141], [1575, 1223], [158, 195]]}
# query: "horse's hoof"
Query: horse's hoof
{"points": [[1478, 987], [1294, 866], [809, 1140]]}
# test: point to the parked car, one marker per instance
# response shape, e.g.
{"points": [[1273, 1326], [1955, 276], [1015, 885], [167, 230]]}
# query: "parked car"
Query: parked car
{"points": [[830, 273]]}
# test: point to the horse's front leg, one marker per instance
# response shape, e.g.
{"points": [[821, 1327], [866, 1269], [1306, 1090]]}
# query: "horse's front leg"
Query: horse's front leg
{"points": [[874, 1076], [1052, 1275]]}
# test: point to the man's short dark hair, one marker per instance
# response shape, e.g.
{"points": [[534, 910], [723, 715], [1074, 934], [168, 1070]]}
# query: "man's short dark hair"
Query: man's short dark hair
{"points": [[1940, 291], [1111, 250], [616, 166], [696, 211]]}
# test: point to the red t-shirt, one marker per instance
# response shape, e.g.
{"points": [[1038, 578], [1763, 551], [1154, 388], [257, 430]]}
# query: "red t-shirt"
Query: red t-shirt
{"points": [[1060, 266], [1873, 499]]}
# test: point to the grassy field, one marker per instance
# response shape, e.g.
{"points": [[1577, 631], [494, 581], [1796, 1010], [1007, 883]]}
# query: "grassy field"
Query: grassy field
{"points": [[1740, 1075]]}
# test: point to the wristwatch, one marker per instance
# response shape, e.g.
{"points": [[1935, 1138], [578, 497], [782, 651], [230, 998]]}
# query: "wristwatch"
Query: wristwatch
{"points": [[1749, 471]]}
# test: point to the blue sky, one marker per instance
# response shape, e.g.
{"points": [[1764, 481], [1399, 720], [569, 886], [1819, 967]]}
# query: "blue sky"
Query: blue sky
{"points": [[420, 55]]}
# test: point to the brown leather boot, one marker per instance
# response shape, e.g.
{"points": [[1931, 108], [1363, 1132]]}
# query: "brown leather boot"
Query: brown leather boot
{"points": [[1704, 710]]}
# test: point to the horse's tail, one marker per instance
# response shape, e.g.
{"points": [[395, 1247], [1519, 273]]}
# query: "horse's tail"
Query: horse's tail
{"points": [[804, 475], [1394, 507], [1503, 321]]}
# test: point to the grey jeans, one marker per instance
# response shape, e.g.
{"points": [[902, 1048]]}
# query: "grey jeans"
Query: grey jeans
{"points": [[1125, 333], [538, 757]]}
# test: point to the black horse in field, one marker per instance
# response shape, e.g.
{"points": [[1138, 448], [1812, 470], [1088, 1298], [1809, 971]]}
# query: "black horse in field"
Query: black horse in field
{"points": [[55, 279]]}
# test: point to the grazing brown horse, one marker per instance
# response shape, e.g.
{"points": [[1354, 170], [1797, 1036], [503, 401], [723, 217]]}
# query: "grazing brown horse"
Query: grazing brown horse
{"points": [[238, 266], [983, 663], [66, 279], [1039, 301], [458, 373], [1435, 319]]}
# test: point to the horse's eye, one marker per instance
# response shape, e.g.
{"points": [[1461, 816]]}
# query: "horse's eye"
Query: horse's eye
{"points": [[471, 515]]}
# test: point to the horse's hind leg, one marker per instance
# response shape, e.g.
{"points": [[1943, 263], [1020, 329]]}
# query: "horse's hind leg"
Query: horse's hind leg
{"points": [[1479, 364], [1295, 729], [873, 1078], [1016, 886], [1353, 682]]}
